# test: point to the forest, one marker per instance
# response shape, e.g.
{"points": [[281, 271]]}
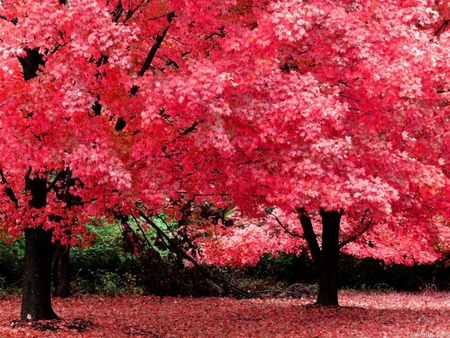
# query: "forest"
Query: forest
{"points": [[278, 160]]}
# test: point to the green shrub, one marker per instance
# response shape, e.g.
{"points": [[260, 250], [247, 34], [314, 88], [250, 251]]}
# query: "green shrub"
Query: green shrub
{"points": [[285, 267], [3, 288], [105, 267], [166, 277], [371, 274], [106, 253], [11, 266]]}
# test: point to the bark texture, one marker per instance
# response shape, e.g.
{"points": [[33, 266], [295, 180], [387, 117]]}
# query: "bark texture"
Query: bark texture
{"points": [[326, 258], [36, 299], [61, 271], [36, 296], [328, 289]]}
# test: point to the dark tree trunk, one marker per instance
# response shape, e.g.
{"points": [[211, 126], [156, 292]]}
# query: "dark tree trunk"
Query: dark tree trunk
{"points": [[328, 290], [61, 270], [325, 259], [36, 300]]}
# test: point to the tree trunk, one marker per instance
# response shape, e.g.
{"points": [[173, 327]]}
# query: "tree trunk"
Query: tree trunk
{"points": [[36, 300], [328, 290], [61, 270]]}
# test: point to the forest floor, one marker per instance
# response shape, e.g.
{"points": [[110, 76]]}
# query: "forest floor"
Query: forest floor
{"points": [[362, 314]]}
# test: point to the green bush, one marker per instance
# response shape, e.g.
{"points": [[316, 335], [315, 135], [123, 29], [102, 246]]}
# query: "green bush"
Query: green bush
{"points": [[166, 277], [3, 288], [108, 267], [106, 283], [105, 267], [287, 268], [371, 274], [11, 266], [107, 253]]}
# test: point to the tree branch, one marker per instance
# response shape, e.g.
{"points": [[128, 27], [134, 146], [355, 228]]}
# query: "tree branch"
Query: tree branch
{"points": [[53, 183], [187, 131], [216, 280], [155, 47], [14, 21], [8, 190], [121, 123], [30, 63], [221, 33], [441, 28], [289, 232], [360, 232], [118, 11], [310, 236]]}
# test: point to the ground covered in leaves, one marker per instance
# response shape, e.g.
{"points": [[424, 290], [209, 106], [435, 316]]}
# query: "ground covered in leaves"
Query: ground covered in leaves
{"points": [[360, 315]]}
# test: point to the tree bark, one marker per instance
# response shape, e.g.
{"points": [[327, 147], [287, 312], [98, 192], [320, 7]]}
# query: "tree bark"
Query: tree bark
{"points": [[329, 258], [61, 271], [310, 237], [36, 300]]}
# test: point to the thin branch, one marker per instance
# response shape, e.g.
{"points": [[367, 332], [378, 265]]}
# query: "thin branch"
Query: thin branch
{"points": [[147, 240], [14, 21], [53, 183], [155, 47], [28, 174], [216, 280], [8, 190], [221, 33], [187, 131], [169, 245], [118, 11], [441, 28], [67, 189], [289, 232], [121, 123], [363, 229], [130, 11]]}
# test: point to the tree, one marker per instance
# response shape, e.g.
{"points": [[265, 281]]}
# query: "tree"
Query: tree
{"points": [[349, 129], [90, 126]]}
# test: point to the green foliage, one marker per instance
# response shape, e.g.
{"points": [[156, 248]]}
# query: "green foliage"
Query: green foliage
{"points": [[109, 267], [11, 266], [379, 288], [3, 288], [107, 253], [107, 283], [248, 279], [286, 267], [170, 277], [371, 274], [106, 267]]}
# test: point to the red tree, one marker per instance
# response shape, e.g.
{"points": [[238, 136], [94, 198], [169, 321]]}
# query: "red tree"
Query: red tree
{"points": [[93, 117], [345, 118]]}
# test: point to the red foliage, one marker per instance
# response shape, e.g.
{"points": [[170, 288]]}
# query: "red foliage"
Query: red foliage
{"points": [[287, 104], [362, 315]]}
